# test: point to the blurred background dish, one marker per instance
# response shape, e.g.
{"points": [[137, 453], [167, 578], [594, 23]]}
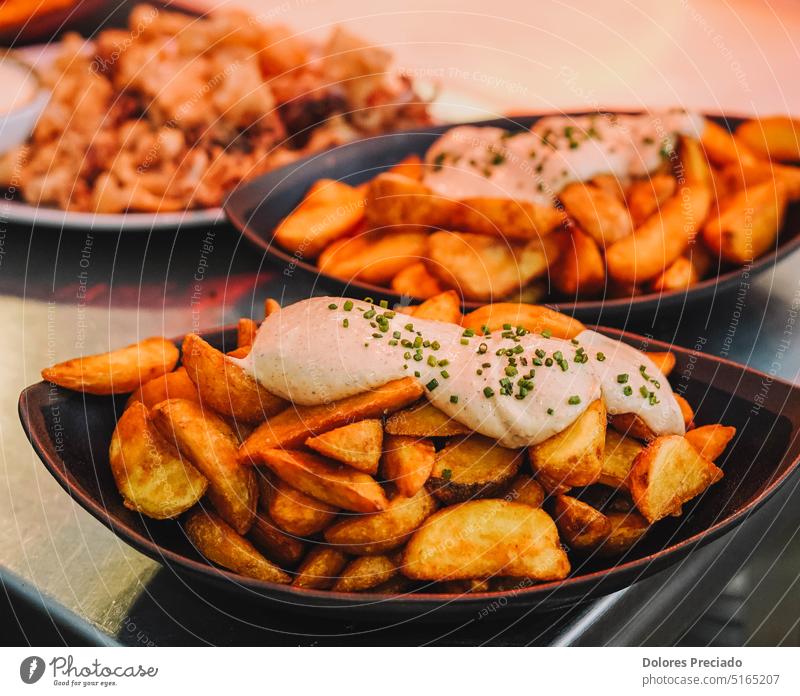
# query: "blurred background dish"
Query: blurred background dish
{"points": [[22, 101]]}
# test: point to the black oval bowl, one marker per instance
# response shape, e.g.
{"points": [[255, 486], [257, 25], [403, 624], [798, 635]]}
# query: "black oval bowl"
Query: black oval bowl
{"points": [[257, 207], [71, 433]]}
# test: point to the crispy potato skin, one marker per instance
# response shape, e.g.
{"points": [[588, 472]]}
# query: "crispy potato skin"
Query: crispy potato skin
{"points": [[722, 147], [211, 445], [482, 538], [711, 440], [618, 457], [172, 385], [680, 275], [295, 512], [579, 524], [631, 425], [366, 573], [224, 386], [424, 420], [293, 426], [222, 545], [149, 473], [246, 331], [646, 196], [626, 528], [600, 214], [283, 549], [668, 473], [524, 489], [320, 568], [358, 444], [504, 217], [446, 306], [324, 480], [377, 533], [774, 138], [580, 269], [416, 281], [534, 318], [574, 457], [393, 199], [407, 462], [118, 372]]}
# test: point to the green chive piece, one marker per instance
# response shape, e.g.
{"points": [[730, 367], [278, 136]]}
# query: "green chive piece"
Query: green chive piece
{"points": [[621, 379], [396, 334], [601, 357], [453, 399], [445, 374], [384, 304], [550, 412], [482, 348], [644, 391], [346, 323], [488, 392], [464, 342], [332, 306], [547, 333], [431, 361], [348, 305], [627, 391], [430, 386], [574, 400], [409, 327], [511, 370], [468, 333], [447, 474]]}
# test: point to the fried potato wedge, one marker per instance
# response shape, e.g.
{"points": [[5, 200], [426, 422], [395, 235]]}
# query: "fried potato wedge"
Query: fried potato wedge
{"points": [[295, 425], [581, 526], [410, 166], [776, 137], [295, 512], [320, 568], [483, 538], [365, 573], [482, 267], [446, 306], [149, 473], [580, 268], [524, 489], [679, 275], [270, 307], [574, 457], [722, 147], [473, 467], [618, 457], [748, 223], [394, 199], [600, 214], [665, 235], [664, 361], [118, 372], [375, 257], [736, 177], [246, 331], [325, 480], [626, 528], [211, 445], [646, 196], [226, 387], [686, 411], [224, 546], [630, 425], [416, 281], [668, 473], [329, 210], [366, 535], [358, 444], [424, 420], [505, 217], [407, 462], [172, 385], [711, 440], [283, 549], [534, 318]]}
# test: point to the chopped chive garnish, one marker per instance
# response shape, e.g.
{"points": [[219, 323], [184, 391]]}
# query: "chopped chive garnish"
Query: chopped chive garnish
{"points": [[547, 333], [482, 348], [550, 411], [644, 391], [332, 306], [346, 323], [507, 327], [377, 335], [384, 304], [418, 342], [537, 362], [479, 372], [369, 300], [628, 390], [575, 341], [407, 355], [430, 386], [418, 357], [348, 305], [548, 362], [409, 327], [468, 333], [622, 378], [453, 399], [540, 353], [574, 400], [435, 345], [447, 474], [488, 392], [432, 361], [443, 363], [396, 334], [464, 342], [369, 314], [445, 374], [511, 370], [392, 342], [416, 373], [601, 356]]}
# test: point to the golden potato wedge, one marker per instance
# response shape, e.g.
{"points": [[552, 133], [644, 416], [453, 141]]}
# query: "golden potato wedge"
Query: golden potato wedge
{"points": [[776, 137], [295, 512], [686, 411], [393, 199], [367, 535], [118, 372], [483, 538], [736, 177], [410, 166], [679, 275], [534, 318], [722, 147], [149, 473], [416, 281], [665, 235], [375, 257], [580, 269], [295, 425], [711, 440], [407, 462], [646, 196], [664, 361], [211, 445], [668, 473], [325, 480], [581, 526], [618, 457], [600, 214], [226, 387], [246, 331], [172, 385], [473, 467], [574, 457], [552, 487], [224, 546], [365, 573], [504, 217], [630, 425], [626, 529], [320, 568], [446, 306], [283, 549], [482, 267], [748, 224], [611, 184], [424, 420], [329, 211], [358, 444], [524, 489], [270, 307]]}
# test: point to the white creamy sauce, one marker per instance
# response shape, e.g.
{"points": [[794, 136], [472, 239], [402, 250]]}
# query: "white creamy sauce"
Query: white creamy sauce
{"points": [[535, 165], [312, 354], [19, 87]]}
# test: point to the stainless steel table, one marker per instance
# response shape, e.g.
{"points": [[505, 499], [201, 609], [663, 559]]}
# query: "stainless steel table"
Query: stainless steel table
{"points": [[80, 292]]}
